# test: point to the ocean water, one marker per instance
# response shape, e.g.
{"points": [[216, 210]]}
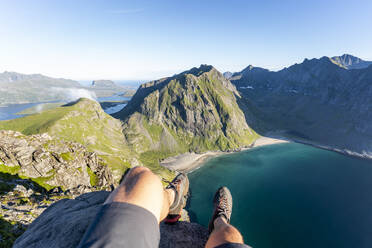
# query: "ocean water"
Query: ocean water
{"points": [[290, 195], [116, 97], [10, 111]]}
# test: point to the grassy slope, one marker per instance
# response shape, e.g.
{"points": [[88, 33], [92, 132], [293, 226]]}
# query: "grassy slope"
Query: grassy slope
{"points": [[40, 107]]}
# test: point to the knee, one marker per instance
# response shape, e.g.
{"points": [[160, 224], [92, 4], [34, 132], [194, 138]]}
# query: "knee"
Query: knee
{"points": [[233, 234], [222, 234], [139, 173], [145, 172], [230, 233], [143, 177], [139, 169]]}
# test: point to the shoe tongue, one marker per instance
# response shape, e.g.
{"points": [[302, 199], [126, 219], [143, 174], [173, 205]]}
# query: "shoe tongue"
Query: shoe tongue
{"points": [[223, 214]]}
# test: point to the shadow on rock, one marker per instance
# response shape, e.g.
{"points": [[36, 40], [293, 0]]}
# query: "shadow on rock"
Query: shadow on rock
{"points": [[64, 223]]}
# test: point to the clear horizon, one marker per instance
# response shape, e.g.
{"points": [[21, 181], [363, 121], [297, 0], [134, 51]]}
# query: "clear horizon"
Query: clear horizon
{"points": [[146, 40]]}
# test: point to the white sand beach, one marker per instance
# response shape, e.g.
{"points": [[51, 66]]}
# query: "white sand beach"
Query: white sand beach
{"points": [[190, 161]]}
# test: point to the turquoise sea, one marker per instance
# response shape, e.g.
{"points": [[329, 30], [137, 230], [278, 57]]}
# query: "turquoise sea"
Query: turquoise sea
{"points": [[290, 195]]}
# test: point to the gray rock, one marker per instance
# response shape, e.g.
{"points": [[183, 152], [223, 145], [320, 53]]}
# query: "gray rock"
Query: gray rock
{"points": [[64, 223], [22, 189], [59, 163], [183, 235]]}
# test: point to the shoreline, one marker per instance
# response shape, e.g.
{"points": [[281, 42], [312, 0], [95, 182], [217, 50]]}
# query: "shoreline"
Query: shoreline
{"points": [[188, 162]]}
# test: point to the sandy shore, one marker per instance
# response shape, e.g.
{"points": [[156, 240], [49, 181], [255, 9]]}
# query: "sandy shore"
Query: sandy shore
{"points": [[190, 161]]}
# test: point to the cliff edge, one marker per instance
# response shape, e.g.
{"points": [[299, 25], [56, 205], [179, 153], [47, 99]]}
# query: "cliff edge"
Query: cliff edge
{"points": [[63, 224]]}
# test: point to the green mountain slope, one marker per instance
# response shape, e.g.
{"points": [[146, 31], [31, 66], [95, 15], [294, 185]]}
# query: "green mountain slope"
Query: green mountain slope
{"points": [[84, 122], [192, 111]]}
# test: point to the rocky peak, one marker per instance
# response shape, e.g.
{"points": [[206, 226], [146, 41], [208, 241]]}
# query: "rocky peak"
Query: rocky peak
{"points": [[348, 61], [248, 72], [253, 69], [197, 71]]}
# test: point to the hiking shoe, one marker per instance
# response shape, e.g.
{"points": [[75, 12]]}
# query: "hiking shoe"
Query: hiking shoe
{"points": [[180, 185], [222, 206]]}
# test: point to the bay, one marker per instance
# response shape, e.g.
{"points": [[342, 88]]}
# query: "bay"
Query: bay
{"points": [[290, 195]]}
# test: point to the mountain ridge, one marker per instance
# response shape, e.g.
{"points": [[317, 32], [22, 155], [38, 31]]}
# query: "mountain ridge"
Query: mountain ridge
{"points": [[11, 76], [351, 62], [317, 102], [18, 88]]}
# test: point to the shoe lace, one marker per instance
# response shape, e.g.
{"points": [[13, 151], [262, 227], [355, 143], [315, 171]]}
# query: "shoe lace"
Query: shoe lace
{"points": [[172, 184], [223, 206]]}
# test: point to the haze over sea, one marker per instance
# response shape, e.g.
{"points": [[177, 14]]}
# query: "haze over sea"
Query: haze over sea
{"points": [[290, 195]]}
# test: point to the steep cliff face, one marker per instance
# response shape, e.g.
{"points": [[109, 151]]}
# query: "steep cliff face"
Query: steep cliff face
{"points": [[318, 101], [196, 110]]}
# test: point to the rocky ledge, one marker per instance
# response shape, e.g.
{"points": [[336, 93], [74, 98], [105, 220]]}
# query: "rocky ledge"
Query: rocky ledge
{"points": [[64, 223]]}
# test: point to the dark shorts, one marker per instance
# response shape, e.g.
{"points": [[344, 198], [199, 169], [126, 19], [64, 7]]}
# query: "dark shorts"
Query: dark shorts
{"points": [[126, 225]]}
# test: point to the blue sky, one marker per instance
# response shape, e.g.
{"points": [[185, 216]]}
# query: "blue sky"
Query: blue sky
{"points": [[150, 39]]}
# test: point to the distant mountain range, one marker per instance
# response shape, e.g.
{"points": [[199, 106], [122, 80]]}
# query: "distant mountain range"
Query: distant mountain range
{"points": [[34, 80], [325, 102], [22, 88]]}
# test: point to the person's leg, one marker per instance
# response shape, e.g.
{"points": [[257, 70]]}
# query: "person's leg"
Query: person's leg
{"points": [[131, 214], [143, 188], [223, 233]]}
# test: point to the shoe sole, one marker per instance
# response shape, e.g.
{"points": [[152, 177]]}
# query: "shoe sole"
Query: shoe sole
{"points": [[183, 199]]}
